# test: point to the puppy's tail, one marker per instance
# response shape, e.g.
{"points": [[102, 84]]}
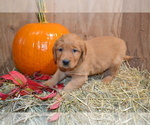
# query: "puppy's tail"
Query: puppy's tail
{"points": [[126, 58]]}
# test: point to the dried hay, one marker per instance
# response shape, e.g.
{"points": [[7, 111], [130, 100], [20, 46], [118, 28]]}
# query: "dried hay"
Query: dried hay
{"points": [[126, 100]]}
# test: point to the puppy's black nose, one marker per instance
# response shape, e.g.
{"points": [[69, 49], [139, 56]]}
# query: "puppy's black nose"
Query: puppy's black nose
{"points": [[65, 62]]}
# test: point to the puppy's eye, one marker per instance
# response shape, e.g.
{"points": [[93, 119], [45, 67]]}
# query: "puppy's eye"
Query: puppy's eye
{"points": [[74, 50], [60, 49]]}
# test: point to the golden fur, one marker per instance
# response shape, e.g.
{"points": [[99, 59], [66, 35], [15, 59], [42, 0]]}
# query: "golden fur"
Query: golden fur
{"points": [[79, 59]]}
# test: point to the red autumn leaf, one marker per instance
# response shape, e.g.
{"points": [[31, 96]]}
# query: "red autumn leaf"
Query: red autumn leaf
{"points": [[39, 76], [60, 86], [38, 91], [54, 117], [51, 95], [26, 91], [23, 92], [28, 86], [34, 85], [19, 78], [43, 77], [14, 91], [3, 96], [49, 90], [9, 77], [16, 77], [54, 106]]}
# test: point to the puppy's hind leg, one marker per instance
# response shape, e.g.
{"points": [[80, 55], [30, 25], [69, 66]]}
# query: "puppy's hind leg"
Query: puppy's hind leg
{"points": [[112, 71]]}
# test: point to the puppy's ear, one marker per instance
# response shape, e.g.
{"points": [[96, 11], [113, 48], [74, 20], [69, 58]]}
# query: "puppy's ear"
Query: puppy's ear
{"points": [[83, 50]]}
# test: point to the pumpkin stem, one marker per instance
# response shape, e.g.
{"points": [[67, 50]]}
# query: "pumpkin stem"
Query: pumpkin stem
{"points": [[42, 9]]}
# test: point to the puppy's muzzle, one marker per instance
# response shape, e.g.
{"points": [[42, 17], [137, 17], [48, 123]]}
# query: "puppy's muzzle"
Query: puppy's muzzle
{"points": [[66, 62]]}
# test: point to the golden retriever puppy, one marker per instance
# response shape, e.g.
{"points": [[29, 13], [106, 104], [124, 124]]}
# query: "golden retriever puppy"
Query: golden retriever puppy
{"points": [[79, 59]]}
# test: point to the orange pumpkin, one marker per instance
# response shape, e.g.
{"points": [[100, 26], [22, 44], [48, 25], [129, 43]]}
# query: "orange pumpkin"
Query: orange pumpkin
{"points": [[32, 47]]}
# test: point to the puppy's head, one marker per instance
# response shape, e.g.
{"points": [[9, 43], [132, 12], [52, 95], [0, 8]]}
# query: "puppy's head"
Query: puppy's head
{"points": [[69, 51]]}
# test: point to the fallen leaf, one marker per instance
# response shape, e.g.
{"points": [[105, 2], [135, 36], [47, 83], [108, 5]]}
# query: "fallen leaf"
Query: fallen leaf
{"points": [[39, 76], [49, 89], [16, 77], [51, 95], [43, 77], [39, 91], [20, 78], [14, 91], [26, 91], [3, 96], [54, 106], [23, 92], [9, 77], [28, 86], [54, 117], [34, 85], [60, 86]]}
